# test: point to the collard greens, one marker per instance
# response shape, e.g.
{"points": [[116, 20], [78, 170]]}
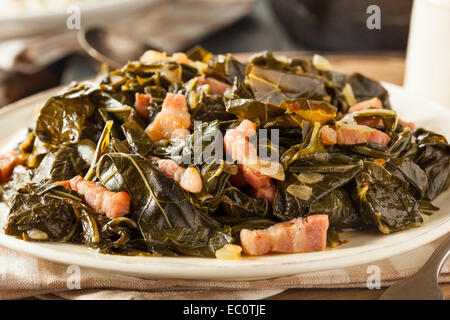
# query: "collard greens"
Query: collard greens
{"points": [[96, 130]]}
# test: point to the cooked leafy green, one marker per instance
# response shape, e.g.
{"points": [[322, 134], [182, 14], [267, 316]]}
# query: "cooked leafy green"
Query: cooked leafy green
{"points": [[302, 109], [239, 223], [310, 146], [433, 156], [307, 185], [62, 117], [137, 139], [385, 200], [269, 85], [225, 68], [165, 215], [236, 203], [60, 163], [365, 88], [50, 213], [204, 106], [253, 110], [340, 209], [409, 171]]}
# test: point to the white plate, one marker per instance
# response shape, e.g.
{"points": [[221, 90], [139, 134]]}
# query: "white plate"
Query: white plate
{"points": [[363, 247], [27, 23]]}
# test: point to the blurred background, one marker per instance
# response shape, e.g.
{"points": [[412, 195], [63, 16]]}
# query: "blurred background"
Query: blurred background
{"points": [[39, 48]]}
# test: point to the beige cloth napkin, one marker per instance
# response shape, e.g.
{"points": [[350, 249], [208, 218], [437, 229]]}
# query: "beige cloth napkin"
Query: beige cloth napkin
{"points": [[22, 275], [171, 25]]}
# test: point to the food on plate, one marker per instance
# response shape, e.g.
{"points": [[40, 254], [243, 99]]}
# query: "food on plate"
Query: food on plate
{"points": [[173, 120], [229, 252], [189, 178], [297, 235], [203, 155], [100, 199], [8, 160]]}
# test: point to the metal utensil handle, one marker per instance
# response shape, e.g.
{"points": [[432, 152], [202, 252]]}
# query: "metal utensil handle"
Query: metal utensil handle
{"points": [[437, 259]]}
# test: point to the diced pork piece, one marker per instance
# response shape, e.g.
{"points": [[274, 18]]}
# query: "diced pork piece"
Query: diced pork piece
{"points": [[100, 199], [238, 179], [298, 235], [374, 103], [379, 137], [372, 122], [215, 86], [406, 124], [153, 56], [173, 116], [268, 192], [178, 133], [142, 101], [261, 185], [254, 178], [65, 184], [181, 57], [328, 136], [237, 144], [189, 179], [249, 176], [366, 104], [348, 134], [8, 161]]}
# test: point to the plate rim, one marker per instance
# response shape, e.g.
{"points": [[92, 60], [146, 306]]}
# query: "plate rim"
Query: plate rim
{"points": [[227, 269]]}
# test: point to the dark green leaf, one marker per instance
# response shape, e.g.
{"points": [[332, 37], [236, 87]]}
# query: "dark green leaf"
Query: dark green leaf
{"points": [[339, 208], [269, 85], [163, 212], [236, 203], [253, 110], [60, 164], [50, 213], [62, 117], [433, 156], [137, 138], [385, 201]]}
